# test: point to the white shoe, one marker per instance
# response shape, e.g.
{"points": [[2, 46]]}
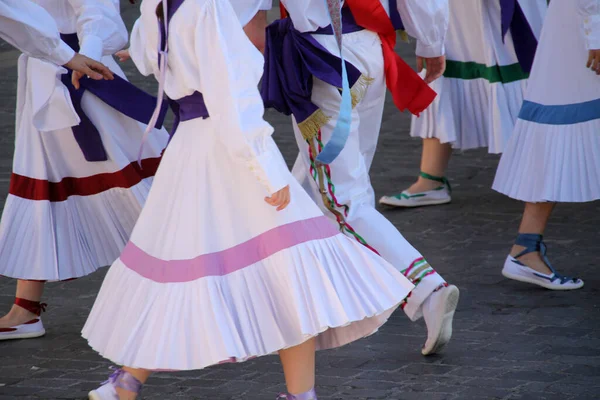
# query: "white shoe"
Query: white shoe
{"points": [[104, 392], [28, 330], [516, 270], [439, 195], [438, 312]]}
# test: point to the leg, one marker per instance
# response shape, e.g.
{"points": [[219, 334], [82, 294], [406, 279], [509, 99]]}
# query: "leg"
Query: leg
{"points": [[432, 187], [299, 368], [434, 161], [28, 290], [535, 219], [527, 261]]}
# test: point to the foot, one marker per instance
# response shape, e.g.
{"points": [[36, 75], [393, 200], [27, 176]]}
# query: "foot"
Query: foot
{"points": [[310, 395], [531, 265], [23, 321], [438, 312], [428, 190], [121, 385]]}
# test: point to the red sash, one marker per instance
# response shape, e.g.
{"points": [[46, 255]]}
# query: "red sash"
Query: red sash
{"points": [[408, 90]]}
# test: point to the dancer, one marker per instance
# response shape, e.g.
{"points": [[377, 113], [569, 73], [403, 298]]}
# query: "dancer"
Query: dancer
{"points": [[207, 278], [76, 189], [554, 153], [343, 188], [490, 48], [29, 28]]}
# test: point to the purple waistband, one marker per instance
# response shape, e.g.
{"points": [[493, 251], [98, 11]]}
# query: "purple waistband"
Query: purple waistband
{"points": [[188, 108], [349, 24], [118, 93]]}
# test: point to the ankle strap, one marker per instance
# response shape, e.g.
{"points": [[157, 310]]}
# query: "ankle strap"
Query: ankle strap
{"points": [[310, 395], [441, 179], [533, 242], [32, 306], [124, 380]]}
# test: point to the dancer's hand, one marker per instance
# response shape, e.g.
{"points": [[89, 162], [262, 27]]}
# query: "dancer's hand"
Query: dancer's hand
{"points": [[123, 55], [281, 199], [435, 67], [82, 65], [593, 62]]}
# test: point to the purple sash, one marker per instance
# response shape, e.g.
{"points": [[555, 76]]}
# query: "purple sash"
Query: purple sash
{"points": [[118, 93], [524, 39], [188, 107], [395, 15], [292, 58]]}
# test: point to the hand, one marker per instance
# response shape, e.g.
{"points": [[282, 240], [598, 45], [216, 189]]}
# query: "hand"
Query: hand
{"points": [[256, 30], [593, 62], [281, 199], [82, 65], [123, 55], [435, 67]]}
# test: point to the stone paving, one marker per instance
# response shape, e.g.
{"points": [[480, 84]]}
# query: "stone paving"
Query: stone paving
{"points": [[511, 341]]}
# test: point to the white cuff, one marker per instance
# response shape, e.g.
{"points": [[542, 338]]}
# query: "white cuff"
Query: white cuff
{"points": [[430, 51], [92, 47], [591, 31], [62, 54], [271, 171], [266, 5]]}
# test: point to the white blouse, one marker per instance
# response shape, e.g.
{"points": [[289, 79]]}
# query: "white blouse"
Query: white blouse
{"points": [[427, 21], [30, 28], [210, 53], [98, 24], [590, 10]]}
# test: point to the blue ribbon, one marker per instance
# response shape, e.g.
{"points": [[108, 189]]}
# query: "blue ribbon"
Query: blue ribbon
{"points": [[340, 133]]}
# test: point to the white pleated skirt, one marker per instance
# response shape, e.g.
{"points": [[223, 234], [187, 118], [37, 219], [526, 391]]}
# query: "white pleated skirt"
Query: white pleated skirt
{"points": [[554, 152], [211, 277], [65, 217], [480, 94]]}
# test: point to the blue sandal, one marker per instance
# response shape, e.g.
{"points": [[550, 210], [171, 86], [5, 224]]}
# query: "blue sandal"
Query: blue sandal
{"points": [[515, 269]]}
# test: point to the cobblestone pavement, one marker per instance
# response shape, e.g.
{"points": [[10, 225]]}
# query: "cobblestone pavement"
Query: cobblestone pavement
{"points": [[511, 341]]}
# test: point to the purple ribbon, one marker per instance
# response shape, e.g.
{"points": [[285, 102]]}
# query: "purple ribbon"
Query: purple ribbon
{"points": [[118, 93], [292, 58], [395, 15], [524, 39]]}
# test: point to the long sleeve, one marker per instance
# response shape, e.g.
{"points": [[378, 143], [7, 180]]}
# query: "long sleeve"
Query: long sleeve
{"points": [[590, 10], [145, 61], [230, 68], [100, 29], [427, 21], [29, 28]]}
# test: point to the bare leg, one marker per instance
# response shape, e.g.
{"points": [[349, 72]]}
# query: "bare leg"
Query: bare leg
{"points": [[535, 218], [299, 367], [141, 375], [29, 290], [255, 30], [434, 161]]}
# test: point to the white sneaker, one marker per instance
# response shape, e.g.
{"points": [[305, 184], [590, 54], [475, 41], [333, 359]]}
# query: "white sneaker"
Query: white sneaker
{"points": [[516, 270], [28, 330], [439, 195], [438, 312]]}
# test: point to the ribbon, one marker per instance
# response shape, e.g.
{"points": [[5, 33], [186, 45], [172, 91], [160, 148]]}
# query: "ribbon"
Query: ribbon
{"points": [[524, 39], [340, 133]]}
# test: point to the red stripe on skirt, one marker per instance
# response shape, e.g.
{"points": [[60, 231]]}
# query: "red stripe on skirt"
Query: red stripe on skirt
{"points": [[40, 189]]}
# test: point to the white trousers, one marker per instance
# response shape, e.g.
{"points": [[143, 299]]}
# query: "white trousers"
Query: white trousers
{"points": [[350, 170]]}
